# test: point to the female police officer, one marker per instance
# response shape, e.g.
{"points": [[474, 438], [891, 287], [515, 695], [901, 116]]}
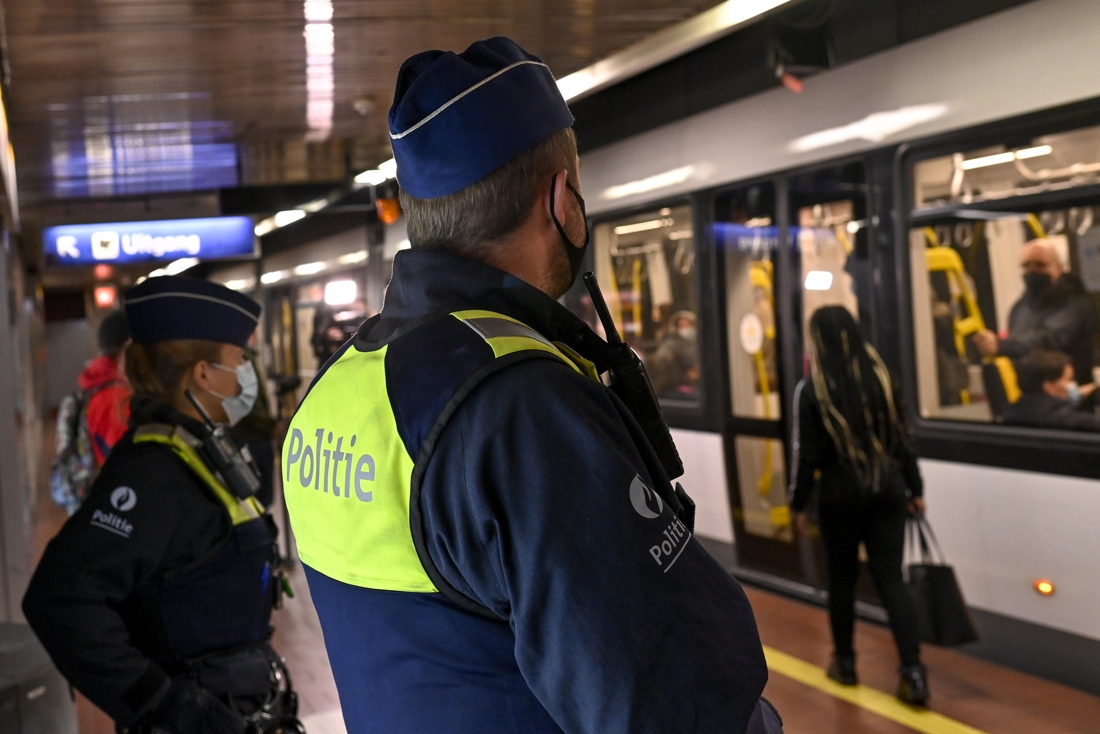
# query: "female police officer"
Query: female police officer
{"points": [[155, 598]]}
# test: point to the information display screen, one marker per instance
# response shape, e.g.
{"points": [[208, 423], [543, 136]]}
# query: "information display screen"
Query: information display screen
{"points": [[129, 242]]}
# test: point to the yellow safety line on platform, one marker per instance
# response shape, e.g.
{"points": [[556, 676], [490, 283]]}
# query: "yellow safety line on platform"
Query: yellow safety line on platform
{"points": [[866, 698]]}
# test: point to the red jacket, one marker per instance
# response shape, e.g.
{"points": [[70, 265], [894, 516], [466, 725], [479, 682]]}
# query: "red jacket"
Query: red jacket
{"points": [[108, 411]]}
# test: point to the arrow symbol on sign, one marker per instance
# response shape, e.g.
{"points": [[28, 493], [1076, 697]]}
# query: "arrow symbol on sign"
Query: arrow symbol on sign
{"points": [[66, 246]]}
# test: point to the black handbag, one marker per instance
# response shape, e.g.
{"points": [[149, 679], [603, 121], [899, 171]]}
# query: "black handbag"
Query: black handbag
{"points": [[943, 615]]}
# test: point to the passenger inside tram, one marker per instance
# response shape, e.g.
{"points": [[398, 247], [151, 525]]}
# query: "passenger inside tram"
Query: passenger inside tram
{"points": [[1004, 280], [1051, 398], [1053, 313], [674, 367], [645, 265]]}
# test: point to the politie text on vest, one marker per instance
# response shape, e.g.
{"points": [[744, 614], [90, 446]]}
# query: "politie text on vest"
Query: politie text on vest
{"points": [[319, 462]]}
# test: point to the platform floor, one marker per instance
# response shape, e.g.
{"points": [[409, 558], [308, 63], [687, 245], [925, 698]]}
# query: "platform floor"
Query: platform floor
{"points": [[969, 696]]}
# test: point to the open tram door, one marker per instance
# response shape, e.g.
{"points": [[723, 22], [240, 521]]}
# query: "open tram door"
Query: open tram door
{"points": [[785, 247]]}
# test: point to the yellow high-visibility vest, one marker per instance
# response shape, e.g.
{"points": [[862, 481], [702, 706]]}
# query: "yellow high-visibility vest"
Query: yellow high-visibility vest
{"points": [[349, 480], [185, 446]]}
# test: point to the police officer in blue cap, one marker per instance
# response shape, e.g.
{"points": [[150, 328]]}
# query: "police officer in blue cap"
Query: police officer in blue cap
{"points": [[490, 539], [155, 598]]}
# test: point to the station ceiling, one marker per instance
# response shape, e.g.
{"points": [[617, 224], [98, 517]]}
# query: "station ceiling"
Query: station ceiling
{"points": [[113, 98]]}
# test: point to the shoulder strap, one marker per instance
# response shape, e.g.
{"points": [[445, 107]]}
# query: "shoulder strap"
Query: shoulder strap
{"points": [[511, 341], [185, 446], [506, 335]]}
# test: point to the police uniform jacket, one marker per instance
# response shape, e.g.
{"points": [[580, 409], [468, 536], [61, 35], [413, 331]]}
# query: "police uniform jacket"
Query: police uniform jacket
{"points": [[608, 617], [150, 573]]}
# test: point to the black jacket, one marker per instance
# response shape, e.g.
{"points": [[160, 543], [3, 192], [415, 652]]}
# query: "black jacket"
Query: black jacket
{"points": [[1047, 411], [103, 598], [1062, 319], [813, 450]]}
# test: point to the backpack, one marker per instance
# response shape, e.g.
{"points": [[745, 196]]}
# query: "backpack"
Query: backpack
{"points": [[74, 466]]}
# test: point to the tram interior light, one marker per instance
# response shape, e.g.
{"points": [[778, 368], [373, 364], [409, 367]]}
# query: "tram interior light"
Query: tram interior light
{"points": [[341, 292], [372, 177], [241, 284], [310, 268], [998, 158], [1044, 587], [272, 277], [644, 226], [819, 280], [352, 258], [106, 296], [284, 218]]}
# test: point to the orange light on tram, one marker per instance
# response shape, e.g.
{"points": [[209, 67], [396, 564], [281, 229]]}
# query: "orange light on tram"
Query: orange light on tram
{"points": [[1044, 587], [103, 271], [388, 210], [106, 296]]}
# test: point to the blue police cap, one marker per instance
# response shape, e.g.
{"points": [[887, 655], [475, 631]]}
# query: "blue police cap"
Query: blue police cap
{"points": [[177, 307], [456, 118]]}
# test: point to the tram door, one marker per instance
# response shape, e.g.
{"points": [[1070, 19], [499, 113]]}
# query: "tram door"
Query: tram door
{"points": [[785, 247]]}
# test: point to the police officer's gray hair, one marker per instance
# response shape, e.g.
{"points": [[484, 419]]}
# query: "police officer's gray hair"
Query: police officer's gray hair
{"points": [[468, 221]]}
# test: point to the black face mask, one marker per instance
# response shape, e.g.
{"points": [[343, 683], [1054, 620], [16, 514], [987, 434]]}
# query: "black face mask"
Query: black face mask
{"points": [[574, 253], [1037, 283]]}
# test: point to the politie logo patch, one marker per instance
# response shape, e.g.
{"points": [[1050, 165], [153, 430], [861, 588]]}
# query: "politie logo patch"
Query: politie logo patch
{"points": [[647, 503], [123, 499]]}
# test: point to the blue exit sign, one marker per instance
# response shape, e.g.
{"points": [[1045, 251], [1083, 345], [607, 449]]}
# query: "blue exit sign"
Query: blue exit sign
{"points": [[130, 242]]}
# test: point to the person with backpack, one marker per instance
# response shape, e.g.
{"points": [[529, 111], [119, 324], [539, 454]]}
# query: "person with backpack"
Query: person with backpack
{"points": [[93, 418], [849, 425], [103, 381]]}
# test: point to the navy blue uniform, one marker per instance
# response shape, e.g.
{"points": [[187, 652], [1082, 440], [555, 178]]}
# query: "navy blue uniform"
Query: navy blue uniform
{"points": [[612, 618], [149, 575]]}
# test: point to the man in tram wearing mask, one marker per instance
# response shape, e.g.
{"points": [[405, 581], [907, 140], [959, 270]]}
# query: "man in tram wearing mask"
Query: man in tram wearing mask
{"points": [[490, 539], [1054, 313], [1051, 397]]}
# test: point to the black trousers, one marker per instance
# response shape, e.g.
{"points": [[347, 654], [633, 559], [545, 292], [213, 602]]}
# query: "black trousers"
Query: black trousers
{"points": [[879, 522]]}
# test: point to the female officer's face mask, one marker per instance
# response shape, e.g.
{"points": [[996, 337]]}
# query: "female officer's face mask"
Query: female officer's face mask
{"points": [[237, 406]]}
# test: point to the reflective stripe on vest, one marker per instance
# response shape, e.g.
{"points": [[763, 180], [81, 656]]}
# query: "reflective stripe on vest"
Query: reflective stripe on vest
{"points": [[185, 446], [347, 474]]}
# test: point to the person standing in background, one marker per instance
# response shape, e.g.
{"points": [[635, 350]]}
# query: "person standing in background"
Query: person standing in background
{"points": [[850, 426], [257, 431], [108, 405]]}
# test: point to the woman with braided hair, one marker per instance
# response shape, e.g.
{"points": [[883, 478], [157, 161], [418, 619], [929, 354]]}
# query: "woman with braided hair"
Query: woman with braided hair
{"points": [[849, 425]]}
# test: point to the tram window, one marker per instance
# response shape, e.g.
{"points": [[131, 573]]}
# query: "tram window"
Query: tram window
{"points": [[1004, 299], [826, 238], [747, 237], [828, 211], [645, 266], [1046, 163]]}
